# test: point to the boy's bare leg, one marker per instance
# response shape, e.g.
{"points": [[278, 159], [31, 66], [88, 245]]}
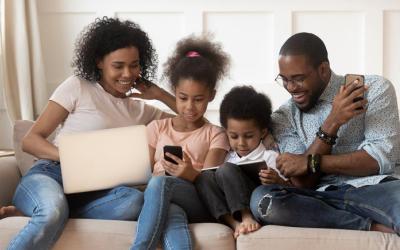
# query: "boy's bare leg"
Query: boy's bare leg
{"points": [[249, 224], [9, 211], [381, 228]]}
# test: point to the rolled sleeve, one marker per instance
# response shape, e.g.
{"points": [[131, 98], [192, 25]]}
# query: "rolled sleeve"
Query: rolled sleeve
{"points": [[382, 125]]}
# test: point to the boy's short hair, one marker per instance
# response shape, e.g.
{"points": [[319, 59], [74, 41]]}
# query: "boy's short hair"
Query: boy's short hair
{"points": [[244, 103]]}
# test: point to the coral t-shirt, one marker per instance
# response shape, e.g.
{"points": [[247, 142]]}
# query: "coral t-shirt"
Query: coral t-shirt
{"points": [[195, 144]]}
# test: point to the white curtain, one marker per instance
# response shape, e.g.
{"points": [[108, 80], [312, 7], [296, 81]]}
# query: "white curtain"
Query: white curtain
{"points": [[23, 69]]}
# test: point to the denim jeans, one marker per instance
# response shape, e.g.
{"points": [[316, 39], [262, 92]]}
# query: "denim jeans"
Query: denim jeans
{"points": [[40, 195], [169, 204], [344, 206], [226, 190]]}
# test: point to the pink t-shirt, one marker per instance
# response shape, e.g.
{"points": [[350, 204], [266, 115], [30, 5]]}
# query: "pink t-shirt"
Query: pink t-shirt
{"points": [[195, 144]]}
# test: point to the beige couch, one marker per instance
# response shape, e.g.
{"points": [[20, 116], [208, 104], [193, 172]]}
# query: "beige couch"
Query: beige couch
{"points": [[107, 234]]}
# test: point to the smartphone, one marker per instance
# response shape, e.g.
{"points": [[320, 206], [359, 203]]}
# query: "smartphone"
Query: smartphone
{"points": [[174, 150], [349, 78]]}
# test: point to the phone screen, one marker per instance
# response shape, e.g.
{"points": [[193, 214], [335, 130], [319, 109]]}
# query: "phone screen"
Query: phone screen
{"points": [[174, 150]]}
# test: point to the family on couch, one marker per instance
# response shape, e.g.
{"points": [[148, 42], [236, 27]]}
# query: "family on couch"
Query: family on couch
{"points": [[337, 153]]}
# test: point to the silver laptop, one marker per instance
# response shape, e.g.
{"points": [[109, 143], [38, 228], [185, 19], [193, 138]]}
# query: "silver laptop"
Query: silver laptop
{"points": [[103, 159]]}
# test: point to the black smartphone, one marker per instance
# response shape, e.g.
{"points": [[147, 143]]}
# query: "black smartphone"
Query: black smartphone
{"points": [[349, 78], [174, 150]]}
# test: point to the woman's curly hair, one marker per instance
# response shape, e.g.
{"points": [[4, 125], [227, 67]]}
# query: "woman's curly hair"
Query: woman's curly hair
{"points": [[208, 64], [106, 35], [245, 103]]}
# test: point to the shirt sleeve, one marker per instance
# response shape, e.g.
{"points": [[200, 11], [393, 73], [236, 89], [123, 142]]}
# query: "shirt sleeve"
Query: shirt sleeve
{"points": [[382, 129], [67, 93], [153, 133], [270, 159], [284, 132], [219, 139]]}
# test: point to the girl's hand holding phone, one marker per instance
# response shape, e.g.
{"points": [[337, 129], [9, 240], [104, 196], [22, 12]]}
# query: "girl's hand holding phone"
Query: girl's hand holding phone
{"points": [[183, 169]]}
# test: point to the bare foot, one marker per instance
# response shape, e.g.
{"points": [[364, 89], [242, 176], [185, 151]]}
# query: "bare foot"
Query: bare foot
{"points": [[381, 228], [249, 224], [234, 224], [9, 211], [236, 229]]}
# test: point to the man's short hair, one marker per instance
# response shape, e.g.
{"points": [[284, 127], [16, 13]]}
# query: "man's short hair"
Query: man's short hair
{"points": [[306, 44]]}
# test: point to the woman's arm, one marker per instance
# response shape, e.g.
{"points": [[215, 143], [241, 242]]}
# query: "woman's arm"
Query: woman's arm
{"points": [[34, 142]]}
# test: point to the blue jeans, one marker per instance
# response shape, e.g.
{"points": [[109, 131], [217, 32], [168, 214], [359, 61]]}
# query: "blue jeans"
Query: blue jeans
{"points": [[169, 204], [40, 195], [344, 206]]}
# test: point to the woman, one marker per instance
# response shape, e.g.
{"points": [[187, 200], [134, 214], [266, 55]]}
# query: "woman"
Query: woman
{"points": [[110, 57]]}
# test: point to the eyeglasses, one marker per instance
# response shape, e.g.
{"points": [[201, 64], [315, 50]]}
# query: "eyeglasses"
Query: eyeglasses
{"points": [[297, 80]]}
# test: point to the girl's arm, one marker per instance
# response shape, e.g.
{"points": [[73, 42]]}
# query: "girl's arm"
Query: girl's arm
{"points": [[34, 142], [215, 157]]}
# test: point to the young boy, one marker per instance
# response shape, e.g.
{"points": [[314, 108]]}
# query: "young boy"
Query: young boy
{"points": [[246, 116]]}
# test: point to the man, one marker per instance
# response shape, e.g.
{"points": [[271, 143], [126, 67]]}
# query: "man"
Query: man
{"points": [[343, 148]]}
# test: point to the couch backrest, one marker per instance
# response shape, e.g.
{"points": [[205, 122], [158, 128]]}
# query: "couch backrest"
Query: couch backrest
{"points": [[24, 160]]}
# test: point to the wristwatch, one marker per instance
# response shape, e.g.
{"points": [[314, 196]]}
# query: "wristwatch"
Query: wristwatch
{"points": [[313, 163]]}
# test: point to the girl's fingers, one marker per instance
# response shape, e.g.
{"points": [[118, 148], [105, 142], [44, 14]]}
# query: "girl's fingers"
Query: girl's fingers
{"points": [[175, 158]]}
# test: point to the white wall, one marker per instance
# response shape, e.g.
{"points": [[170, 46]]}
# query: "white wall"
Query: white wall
{"points": [[362, 36]]}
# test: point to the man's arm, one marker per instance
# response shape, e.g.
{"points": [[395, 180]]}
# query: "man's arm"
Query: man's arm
{"points": [[379, 150]]}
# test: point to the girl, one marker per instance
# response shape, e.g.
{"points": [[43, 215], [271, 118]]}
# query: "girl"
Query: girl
{"points": [[246, 116], [193, 71], [109, 58]]}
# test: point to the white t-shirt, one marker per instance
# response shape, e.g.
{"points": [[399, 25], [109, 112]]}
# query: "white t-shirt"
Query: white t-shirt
{"points": [[90, 107], [258, 154]]}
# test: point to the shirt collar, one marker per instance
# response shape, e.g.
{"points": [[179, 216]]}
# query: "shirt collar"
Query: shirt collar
{"points": [[332, 87], [254, 155]]}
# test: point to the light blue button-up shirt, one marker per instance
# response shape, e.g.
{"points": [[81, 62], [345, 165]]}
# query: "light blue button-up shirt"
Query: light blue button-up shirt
{"points": [[376, 131]]}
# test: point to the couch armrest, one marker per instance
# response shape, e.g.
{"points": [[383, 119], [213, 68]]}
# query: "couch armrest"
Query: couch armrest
{"points": [[9, 179]]}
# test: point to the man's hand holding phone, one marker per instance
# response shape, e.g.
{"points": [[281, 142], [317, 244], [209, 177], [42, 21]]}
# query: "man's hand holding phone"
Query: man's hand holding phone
{"points": [[177, 164], [348, 102]]}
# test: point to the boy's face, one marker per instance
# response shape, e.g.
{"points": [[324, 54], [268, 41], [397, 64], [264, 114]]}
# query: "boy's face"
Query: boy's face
{"points": [[244, 135]]}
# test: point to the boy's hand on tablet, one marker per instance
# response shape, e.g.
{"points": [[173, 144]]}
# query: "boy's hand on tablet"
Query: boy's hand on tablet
{"points": [[270, 176]]}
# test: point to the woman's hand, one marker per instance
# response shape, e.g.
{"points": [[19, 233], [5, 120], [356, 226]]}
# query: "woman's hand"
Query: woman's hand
{"points": [[183, 169], [148, 90], [270, 176]]}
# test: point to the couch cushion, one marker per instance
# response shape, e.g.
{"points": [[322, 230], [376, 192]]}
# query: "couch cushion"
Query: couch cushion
{"points": [[108, 234], [24, 160], [283, 238]]}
